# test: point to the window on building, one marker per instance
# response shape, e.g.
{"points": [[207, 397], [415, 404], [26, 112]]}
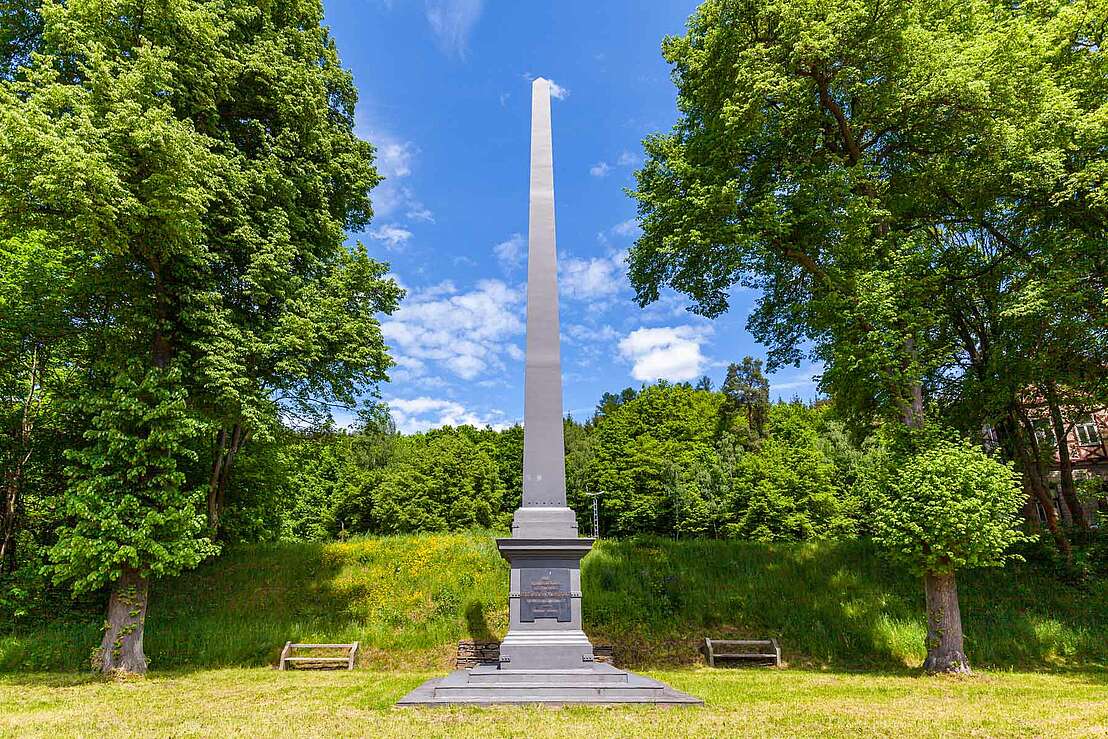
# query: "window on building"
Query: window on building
{"points": [[1045, 434], [1087, 432]]}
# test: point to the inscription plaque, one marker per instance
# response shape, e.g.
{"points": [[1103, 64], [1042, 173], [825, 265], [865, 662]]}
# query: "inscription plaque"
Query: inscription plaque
{"points": [[544, 593]]}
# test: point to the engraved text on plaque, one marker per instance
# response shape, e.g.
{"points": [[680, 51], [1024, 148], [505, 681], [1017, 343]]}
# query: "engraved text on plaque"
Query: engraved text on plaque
{"points": [[544, 593]]}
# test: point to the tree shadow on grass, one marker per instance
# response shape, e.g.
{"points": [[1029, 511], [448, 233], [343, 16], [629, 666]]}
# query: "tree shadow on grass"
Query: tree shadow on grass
{"points": [[476, 625]]}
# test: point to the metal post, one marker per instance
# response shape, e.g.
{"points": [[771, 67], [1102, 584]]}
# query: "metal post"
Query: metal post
{"points": [[676, 505], [595, 513], [595, 519]]}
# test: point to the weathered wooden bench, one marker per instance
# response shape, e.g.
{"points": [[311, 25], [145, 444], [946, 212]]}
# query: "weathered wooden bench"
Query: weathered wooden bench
{"points": [[287, 656], [756, 651]]}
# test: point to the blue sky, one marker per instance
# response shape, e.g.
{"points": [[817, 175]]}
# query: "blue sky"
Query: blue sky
{"points": [[444, 95]]}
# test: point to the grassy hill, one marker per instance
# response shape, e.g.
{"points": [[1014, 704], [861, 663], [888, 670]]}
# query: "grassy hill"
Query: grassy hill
{"points": [[409, 599]]}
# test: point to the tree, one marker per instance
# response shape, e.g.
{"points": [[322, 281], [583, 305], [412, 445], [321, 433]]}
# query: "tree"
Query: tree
{"points": [[791, 489], [746, 391], [853, 160], [824, 155], [442, 481], [131, 515], [646, 450], [939, 510], [199, 160], [35, 366]]}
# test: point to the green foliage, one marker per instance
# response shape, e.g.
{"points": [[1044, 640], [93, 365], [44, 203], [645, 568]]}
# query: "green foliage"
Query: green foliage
{"points": [[880, 172], [649, 448], [661, 458], [129, 504], [664, 465], [947, 507], [790, 492], [177, 180], [443, 481]]}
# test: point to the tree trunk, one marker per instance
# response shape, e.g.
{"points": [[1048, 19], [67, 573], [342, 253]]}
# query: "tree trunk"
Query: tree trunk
{"points": [[227, 447], [213, 481], [1065, 466], [945, 652], [1031, 464], [1030, 512], [121, 652], [11, 505], [9, 521], [1007, 434]]}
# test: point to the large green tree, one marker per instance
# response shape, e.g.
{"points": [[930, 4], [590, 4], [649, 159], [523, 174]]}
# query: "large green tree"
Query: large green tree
{"points": [[827, 151], [199, 157]]}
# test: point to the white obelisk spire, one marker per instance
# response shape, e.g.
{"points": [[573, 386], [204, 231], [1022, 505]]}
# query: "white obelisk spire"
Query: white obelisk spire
{"points": [[544, 469]]}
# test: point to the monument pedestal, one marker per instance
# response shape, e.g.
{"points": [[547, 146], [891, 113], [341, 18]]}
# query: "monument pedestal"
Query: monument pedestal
{"points": [[545, 657], [544, 604]]}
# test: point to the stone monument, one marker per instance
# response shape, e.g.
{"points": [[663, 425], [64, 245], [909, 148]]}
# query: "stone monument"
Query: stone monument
{"points": [[545, 657]]}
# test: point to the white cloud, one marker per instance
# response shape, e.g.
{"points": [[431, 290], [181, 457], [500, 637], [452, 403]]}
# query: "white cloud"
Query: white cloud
{"points": [[446, 287], [395, 159], [588, 279], [670, 353], [417, 212], [466, 333], [420, 414], [668, 306], [510, 252], [577, 332], [451, 22], [556, 91], [600, 169], [603, 168], [803, 382], [394, 236], [392, 197], [630, 227]]}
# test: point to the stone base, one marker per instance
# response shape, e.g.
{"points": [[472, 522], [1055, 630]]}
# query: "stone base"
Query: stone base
{"points": [[595, 684]]}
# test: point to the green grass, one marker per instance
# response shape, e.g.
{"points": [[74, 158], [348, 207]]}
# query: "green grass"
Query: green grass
{"points": [[794, 702], [409, 599]]}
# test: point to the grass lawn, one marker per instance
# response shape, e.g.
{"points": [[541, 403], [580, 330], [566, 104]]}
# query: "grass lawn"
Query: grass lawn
{"points": [[792, 702]]}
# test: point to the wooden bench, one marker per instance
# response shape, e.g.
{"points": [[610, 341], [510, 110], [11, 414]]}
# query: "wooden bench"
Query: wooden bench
{"points": [[759, 651], [287, 657]]}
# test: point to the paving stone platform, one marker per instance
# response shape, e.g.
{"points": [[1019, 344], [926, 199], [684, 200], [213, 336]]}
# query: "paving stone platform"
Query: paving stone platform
{"points": [[597, 684]]}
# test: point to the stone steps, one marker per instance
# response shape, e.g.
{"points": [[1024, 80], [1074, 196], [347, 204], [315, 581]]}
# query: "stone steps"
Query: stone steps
{"points": [[545, 677], [600, 684], [549, 691]]}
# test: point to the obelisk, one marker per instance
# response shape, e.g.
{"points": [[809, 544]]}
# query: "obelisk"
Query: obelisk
{"points": [[544, 550], [544, 512], [545, 656], [544, 471]]}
